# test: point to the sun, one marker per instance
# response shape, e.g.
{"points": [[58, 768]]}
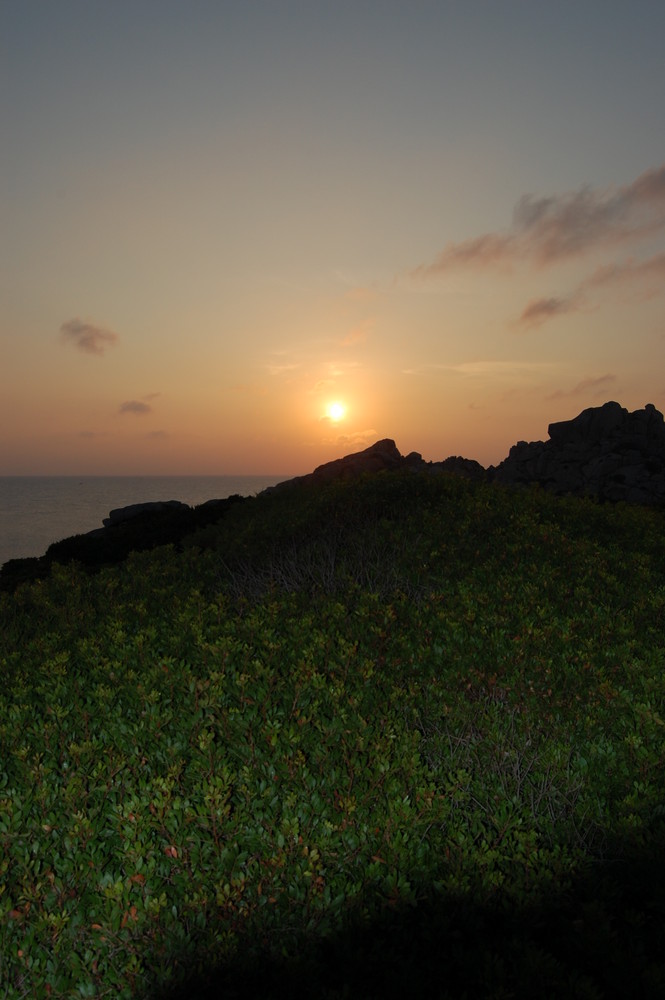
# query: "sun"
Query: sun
{"points": [[336, 411]]}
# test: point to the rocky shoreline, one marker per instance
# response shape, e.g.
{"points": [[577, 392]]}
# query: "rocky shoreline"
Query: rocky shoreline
{"points": [[605, 452], [127, 529]]}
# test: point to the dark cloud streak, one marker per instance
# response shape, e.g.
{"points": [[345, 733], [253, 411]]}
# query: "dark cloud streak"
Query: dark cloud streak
{"points": [[87, 337], [540, 310], [651, 271], [552, 229], [135, 406]]}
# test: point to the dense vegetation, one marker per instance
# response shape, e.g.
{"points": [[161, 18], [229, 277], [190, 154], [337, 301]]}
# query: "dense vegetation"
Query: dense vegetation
{"points": [[399, 736]]}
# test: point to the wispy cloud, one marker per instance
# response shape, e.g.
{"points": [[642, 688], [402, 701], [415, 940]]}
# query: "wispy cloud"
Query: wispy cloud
{"points": [[481, 251], [595, 386], [552, 229], [649, 269], [87, 337], [645, 277], [135, 406], [538, 311]]}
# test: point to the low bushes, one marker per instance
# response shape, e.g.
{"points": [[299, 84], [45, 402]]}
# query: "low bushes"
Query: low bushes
{"points": [[401, 732]]}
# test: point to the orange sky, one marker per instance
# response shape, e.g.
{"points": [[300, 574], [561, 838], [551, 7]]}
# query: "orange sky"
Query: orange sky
{"points": [[219, 219]]}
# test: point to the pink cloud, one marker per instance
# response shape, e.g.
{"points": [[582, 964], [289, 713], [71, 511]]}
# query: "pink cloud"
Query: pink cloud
{"points": [[629, 270], [556, 228], [646, 276]]}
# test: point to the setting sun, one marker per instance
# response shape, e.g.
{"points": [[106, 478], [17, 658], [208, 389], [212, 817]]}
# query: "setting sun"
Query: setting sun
{"points": [[336, 411]]}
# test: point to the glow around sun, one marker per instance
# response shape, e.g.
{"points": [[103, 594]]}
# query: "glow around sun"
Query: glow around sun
{"points": [[336, 411]]}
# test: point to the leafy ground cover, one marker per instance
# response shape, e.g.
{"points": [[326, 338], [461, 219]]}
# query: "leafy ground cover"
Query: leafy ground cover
{"points": [[392, 735]]}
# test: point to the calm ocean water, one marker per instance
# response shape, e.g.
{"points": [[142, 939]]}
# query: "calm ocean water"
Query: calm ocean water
{"points": [[38, 510]]}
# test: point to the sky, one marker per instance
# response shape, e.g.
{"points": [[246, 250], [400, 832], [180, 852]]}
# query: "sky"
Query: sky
{"points": [[252, 237]]}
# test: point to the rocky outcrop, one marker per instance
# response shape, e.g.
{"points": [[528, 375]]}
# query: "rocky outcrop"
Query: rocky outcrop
{"points": [[121, 514], [606, 452], [458, 466], [379, 457], [135, 528]]}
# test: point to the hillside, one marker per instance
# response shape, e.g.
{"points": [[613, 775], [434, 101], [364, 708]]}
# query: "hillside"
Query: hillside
{"points": [[604, 453], [393, 734]]}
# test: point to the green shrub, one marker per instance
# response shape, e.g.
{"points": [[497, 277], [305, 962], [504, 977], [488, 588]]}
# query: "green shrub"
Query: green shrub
{"points": [[354, 722]]}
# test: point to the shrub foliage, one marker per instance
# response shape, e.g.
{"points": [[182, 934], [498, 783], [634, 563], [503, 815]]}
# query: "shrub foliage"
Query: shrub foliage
{"points": [[403, 730]]}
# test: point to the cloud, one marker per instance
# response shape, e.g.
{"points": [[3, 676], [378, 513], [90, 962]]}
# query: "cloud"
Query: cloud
{"points": [[648, 273], [482, 251], [87, 337], [158, 435], [556, 228], [135, 406], [629, 270], [596, 385], [538, 311]]}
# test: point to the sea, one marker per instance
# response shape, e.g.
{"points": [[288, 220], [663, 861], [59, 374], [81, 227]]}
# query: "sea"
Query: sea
{"points": [[38, 510]]}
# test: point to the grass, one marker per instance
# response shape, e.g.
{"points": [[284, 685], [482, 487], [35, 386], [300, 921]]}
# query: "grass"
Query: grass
{"points": [[399, 734]]}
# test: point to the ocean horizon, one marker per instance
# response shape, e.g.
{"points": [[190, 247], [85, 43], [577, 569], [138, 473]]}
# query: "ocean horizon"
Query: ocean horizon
{"points": [[36, 511]]}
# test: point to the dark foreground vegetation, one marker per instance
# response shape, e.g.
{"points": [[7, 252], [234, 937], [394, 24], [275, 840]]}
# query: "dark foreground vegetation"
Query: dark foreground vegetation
{"points": [[402, 736]]}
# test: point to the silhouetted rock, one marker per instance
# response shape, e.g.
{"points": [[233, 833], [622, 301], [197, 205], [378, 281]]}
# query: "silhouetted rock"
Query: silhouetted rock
{"points": [[414, 460], [459, 466], [605, 452], [379, 457], [135, 528], [121, 514]]}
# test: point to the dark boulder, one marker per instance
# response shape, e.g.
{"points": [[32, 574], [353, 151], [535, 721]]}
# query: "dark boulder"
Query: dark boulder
{"points": [[135, 528], [383, 456], [458, 466], [121, 514], [379, 457], [605, 452]]}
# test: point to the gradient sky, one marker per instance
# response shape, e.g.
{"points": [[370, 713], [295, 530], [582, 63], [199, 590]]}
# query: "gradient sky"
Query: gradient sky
{"points": [[219, 218]]}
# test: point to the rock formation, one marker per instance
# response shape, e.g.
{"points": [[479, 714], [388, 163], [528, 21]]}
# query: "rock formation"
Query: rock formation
{"points": [[605, 452], [135, 528], [378, 457], [458, 466], [121, 514]]}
